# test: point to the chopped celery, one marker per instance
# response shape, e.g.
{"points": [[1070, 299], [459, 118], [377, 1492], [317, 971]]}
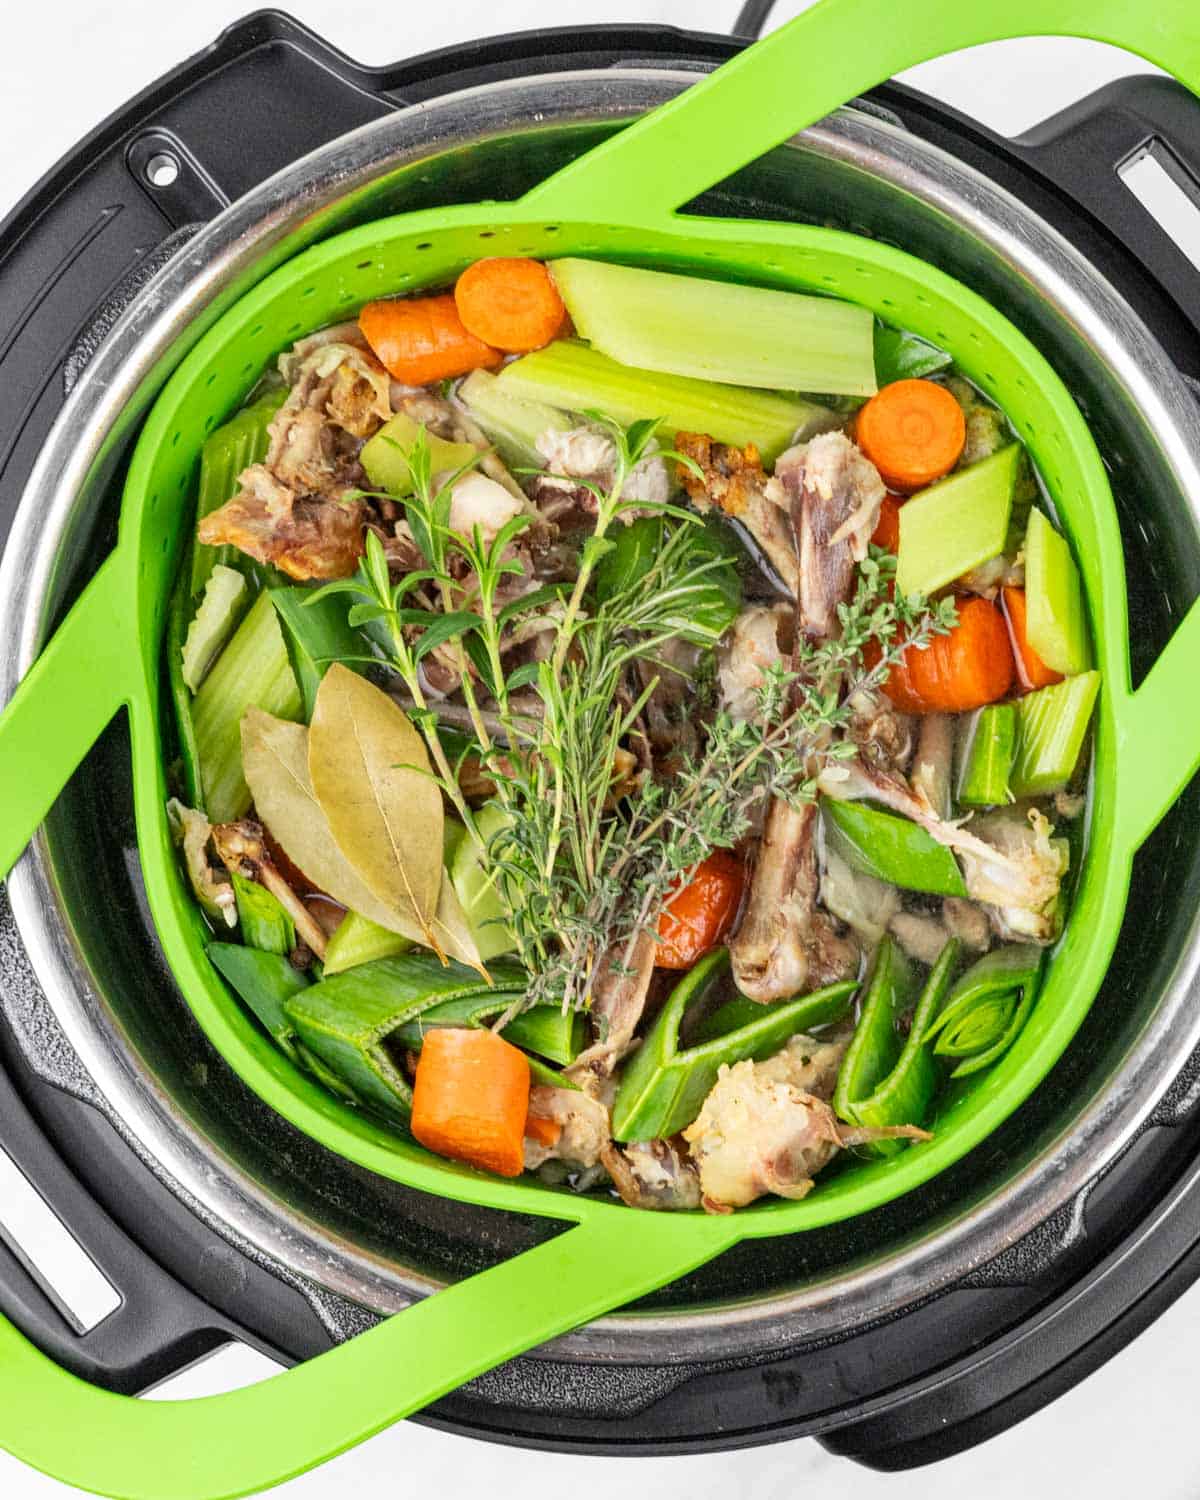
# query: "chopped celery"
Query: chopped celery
{"points": [[512, 424], [384, 456], [213, 623], [265, 982], [360, 941], [242, 441], [720, 330], [178, 613], [1055, 619], [316, 635], [904, 356], [264, 922], [986, 749], [957, 523], [253, 669], [570, 375], [1051, 725], [476, 890], [891, 849]]}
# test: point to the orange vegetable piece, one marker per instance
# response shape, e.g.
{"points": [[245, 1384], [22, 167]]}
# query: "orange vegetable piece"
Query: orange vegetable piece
{"points": [[543, 1130], [1031, 669], [887, 528], [471, 1098], [422, 339], [509, 302], [699, 914], [969, 668], [913, 431]]}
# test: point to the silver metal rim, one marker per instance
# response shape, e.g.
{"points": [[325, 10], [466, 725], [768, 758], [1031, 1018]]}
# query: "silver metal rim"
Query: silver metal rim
{"points": [[65, 487]]}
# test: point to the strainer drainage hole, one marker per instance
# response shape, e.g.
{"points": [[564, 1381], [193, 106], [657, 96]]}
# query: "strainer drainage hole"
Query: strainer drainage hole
{"points": [[162, 169]]}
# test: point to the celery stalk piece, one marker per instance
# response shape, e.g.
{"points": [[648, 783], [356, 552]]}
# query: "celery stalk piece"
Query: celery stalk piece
{"points": [[384, 456], [360, 941], [317, 634], [242, 441], [475, 887], [720, 330], [891, 849], [212, 624], [957, 523], [512, 424], [572, 376], [1051, 725], [253, 669], [1055, 620], [987, 748], [264, 922]]}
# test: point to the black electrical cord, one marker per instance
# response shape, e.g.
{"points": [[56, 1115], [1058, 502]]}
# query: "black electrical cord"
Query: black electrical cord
{"points": [[752, 18]]}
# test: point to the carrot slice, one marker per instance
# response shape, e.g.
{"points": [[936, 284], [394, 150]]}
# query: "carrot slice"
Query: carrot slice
{"points": [[543, 1130], [913, 431], [471, 1098], [422, 339], [887, 528], [699, 914], [1031, 669], [509, 302], [969, 668]]}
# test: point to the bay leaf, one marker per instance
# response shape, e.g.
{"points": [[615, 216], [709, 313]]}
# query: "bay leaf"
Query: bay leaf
{"points": [[275, 761], [371, 774]]}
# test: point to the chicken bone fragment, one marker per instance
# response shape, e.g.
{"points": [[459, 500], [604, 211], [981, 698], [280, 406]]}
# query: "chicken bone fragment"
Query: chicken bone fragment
{"points": [[242, 847], [657, 1175], [192, 831]]}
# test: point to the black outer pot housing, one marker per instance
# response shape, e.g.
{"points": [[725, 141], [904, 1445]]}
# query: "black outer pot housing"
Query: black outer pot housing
{"points": [[947, 1373]]}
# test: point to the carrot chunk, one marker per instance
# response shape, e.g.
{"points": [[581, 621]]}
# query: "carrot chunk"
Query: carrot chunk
{"points": [[543, 1130], [510, 303], [913, 431], [969, 668], [699, 914], [1031, 669], [422, 339], [471, 1098], [887, 528]]}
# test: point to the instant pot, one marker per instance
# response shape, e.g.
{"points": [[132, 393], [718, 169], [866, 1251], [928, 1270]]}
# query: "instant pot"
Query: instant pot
{"points": [[897, 1337]]}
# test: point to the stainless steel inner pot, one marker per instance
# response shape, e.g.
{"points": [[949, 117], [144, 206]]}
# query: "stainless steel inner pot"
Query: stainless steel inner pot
{"points": [[142, 1059]]}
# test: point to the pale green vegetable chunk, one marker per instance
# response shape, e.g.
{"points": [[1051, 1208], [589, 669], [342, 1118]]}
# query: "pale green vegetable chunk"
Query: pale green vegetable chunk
{"points": [[1051, 725], [957, 523], [1055, 621], [512, 424], [225, 597], [476, 889], [718, 330], [384, 455], [358, 940]]}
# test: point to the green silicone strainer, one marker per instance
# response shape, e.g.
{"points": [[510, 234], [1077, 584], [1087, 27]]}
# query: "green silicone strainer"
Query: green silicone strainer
{"points": [[619, 201]]}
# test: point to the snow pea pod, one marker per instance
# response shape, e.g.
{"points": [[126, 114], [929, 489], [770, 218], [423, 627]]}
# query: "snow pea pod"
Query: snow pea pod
{"points": [[883, 1080], [987, 1008], [663, 1087], [891, 849]]}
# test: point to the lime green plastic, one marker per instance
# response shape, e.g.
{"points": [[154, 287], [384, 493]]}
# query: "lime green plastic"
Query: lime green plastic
{"points": [[618, 201]]}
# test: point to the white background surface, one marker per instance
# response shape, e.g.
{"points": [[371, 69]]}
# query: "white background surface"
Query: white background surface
{"points": [[1132, 1428]]}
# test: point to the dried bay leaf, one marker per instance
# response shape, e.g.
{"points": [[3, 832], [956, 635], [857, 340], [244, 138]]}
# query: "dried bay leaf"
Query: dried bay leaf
{"points": [[275, 759], [371, 774]]}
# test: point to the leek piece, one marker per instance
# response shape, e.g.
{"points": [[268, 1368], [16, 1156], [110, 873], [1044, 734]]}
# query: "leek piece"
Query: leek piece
{"points": [[720, 330], [875, 1047], [242, 441], [1055, 621], [957, 523], [349, 1019], [178, 612], [475, 887], [1051, 725], [360, 941], [265, 924], [548, 1031], [384, 457], [570, 375], [904, 356], [891, 849], [265, 982], [903, 1092], [512, 424], [253, 669], [663, 1088], [317, 633], [225, 599], [988, 1007], [987, 748]]}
